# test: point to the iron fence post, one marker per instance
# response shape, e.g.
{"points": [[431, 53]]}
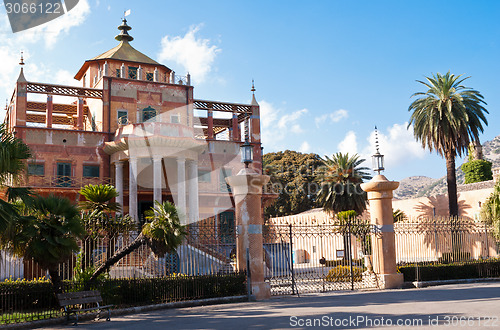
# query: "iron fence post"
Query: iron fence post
{"points": [[291, 260], [350, 252]]}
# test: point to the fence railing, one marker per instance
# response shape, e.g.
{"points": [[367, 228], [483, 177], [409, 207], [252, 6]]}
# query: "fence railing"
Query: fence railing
{"points": [[443, 240], [206, 250], [31, 301]]}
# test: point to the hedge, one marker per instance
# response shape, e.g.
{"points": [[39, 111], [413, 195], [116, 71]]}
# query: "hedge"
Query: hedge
{"points": [[455, 271]]}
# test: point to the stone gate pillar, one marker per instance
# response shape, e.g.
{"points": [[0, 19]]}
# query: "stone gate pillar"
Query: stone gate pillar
{"points": [[379, 191], [247, 192]]}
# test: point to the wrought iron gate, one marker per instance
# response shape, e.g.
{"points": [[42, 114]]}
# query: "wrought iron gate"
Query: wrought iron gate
{"points": [[318, 258]]}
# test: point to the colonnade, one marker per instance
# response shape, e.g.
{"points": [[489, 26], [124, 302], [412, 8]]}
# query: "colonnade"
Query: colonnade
{"points": [[187, 199]]}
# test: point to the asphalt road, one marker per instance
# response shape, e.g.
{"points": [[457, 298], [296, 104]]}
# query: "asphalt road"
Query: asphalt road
{"points": [[470, 306]]}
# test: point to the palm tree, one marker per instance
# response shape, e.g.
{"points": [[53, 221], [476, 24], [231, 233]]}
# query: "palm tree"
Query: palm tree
{"points": [[97, 215], [13, 155], [446, 118], [490, 211], [98, 198], [48, 234], [340, 179], [340, 190], [162, 232]]}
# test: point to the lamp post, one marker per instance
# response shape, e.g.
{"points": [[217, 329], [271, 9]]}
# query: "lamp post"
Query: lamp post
{"points": [[377, 158], [379, 191], [246, 153], [246, 188]]}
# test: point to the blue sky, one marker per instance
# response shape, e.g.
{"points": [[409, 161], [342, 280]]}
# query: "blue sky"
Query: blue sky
{"points": [[326, 72]]}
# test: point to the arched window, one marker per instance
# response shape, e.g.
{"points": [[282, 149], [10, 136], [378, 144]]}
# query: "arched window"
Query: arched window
{"points": [[148, 114]]}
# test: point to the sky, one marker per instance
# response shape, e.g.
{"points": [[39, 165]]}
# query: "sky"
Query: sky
{"points": [[326, 72]]}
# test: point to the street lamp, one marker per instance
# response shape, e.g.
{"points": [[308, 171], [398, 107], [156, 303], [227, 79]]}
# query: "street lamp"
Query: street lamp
{"points": [[377, 158], [246, 153]]}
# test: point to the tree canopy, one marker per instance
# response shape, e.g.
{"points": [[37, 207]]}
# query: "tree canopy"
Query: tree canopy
{"points": [[446, 117], [294, 175]]}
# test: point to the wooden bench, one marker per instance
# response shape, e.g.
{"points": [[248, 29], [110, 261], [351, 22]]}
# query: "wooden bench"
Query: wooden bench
{"points": [[75, 302]]}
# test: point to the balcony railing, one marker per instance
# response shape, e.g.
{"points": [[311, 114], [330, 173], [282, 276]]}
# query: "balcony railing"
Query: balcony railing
{"points": [[60, 181]]}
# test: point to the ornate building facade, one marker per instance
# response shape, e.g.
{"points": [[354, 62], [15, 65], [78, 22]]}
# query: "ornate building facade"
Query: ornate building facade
{"points": [[135, 124]]}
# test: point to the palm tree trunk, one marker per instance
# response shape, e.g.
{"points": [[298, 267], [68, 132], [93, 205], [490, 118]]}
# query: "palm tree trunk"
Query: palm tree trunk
{"points": [[55, 279], [451, 180], [136, 243]]}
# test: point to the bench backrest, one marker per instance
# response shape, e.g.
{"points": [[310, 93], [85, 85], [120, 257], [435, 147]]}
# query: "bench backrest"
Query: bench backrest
{"points": [[81, 297]]}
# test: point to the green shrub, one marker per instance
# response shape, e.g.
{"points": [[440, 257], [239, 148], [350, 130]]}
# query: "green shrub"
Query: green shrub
{"points": [[343, 274], [342, 262], [22, 301], [477, 171], [438, 272]]}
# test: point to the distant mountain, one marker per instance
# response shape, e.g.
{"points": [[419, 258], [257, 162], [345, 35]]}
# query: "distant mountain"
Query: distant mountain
{"points": [[420, 186]]}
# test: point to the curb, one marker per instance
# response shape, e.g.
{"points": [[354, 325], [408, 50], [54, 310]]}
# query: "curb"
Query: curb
{"points": [[130, 310], [424, 284]]}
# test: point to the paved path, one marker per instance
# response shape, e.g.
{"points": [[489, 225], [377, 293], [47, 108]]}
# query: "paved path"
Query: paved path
{"points": [[471, 306]]}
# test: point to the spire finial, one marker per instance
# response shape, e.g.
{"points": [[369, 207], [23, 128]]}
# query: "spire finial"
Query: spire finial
{"points": [[377, 158], [124, 28], [253, 88], [376, 139], [22, 59]]}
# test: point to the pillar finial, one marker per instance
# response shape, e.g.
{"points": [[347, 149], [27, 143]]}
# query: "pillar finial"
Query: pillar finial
{"points": [[253, 88], [376, 139], [22, 59]]}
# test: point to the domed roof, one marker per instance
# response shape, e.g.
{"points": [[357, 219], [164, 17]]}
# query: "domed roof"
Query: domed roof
{"points": [[123, 52]]}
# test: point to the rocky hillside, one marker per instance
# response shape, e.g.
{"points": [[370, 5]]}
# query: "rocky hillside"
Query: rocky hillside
{"points": [[419, 186]]}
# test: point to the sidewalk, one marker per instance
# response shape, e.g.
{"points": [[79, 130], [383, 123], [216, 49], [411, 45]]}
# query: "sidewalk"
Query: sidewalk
{"points": [[471, 306]]}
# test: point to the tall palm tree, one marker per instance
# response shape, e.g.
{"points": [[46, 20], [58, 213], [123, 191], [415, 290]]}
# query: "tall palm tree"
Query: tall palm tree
{"points": [[447, 118], [340, 179], [163, 233], [48, 234]]}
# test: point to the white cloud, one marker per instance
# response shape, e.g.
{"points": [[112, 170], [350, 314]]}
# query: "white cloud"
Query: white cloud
{"points": [[51, 31], [276, 126], [287, 120], [334, 117], [305, 147], [349, 144], [398, 145], [196, 55]]}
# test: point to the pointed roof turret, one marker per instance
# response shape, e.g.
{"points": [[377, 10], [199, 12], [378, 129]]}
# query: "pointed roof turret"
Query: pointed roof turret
{"points": [[122, 52], [123, 35]]}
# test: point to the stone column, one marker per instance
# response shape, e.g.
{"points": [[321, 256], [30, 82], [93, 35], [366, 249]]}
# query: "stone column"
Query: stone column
{"points": [[132, 189], [379, 191], [210, 124], [247, 192], [181, 186], [119, 182], [193, 191], [157, 179], [79, 114], [235, 128], [50, 106]]}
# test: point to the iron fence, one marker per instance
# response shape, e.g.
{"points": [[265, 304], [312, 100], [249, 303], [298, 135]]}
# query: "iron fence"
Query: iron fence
{"points": [[318, 257], [31, 301], [208, 249], [443, 241]]}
